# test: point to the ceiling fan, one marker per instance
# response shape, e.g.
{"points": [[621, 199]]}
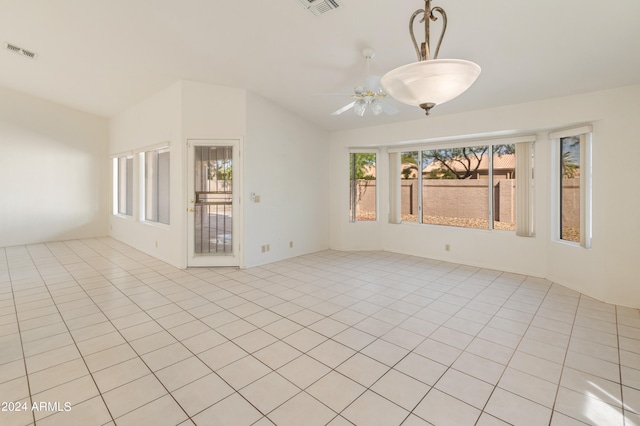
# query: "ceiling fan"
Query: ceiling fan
{"points": [[370, 95]]}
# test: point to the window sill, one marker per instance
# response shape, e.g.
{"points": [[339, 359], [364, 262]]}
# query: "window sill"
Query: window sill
{"points": [[569, 244], [156, 225]]}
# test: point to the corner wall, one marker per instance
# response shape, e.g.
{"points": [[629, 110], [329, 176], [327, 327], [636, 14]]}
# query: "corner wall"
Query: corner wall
{"points": [[53, 171], [286, 163], [605, 272], [154, 121], [284, 160], [185, 110]]}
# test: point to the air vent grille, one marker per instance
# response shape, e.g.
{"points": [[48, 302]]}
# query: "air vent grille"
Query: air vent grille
{"points": [[20, 51], [320, 7], [28, 54], [13, 48]]}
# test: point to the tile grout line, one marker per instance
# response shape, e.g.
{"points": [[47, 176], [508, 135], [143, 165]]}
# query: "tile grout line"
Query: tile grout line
{"points": [[305, 353], [133, 349], [68, 330], [194, 354], [308, 274], [564, 361], [464, 350], [376, 338], [71, 334], [424, 339], [623, 407], [533, 316], [24, 358]]}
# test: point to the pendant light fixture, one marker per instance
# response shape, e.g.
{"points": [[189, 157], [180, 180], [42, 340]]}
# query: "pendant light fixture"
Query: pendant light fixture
{"points": [[430, 81]]}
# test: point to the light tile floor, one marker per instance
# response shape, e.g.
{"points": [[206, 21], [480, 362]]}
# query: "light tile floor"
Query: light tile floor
{"points": [[93, 332]]}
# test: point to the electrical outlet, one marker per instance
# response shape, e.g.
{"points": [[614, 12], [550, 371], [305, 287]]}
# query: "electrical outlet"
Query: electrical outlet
{"points": [[268, 248], [290, 244], [447, 247], [263, 248]]}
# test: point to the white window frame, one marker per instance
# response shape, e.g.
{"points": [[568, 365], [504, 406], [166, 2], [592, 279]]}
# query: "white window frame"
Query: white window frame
{"points": [[143, 185], [128, 186], [524, 211], [586, 171]]}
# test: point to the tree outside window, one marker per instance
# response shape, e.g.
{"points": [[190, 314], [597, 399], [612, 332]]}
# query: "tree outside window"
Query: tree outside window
{"points": [[362, 178], [471, 187]]}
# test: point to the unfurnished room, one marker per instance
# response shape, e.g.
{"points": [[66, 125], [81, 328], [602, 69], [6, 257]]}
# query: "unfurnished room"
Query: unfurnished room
{"points": [[319, 212]]}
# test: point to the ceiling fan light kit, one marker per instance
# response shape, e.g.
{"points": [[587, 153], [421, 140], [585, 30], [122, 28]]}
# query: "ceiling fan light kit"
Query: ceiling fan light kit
{"points": [[377, 106], [360, 107], [370, 95], [430, 81]]}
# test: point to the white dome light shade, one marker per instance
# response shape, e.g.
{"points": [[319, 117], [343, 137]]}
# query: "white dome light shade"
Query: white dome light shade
{"points": [[431, 82]]}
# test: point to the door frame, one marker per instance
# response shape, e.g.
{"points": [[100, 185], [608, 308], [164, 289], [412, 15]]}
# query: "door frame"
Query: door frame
{"points": [[213, 260]]}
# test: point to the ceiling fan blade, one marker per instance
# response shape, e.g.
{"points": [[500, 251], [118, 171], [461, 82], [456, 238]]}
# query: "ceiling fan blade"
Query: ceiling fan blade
{"points": [[344, 108], [389, 109]]}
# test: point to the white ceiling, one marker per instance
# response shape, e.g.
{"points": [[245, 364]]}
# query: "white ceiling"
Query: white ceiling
{"points": [[104, 56]]}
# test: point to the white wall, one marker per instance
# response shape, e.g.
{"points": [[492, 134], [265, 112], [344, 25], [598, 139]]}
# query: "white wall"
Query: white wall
{"points": [[186, 110], [156, 120], [53, 171], [211, 112], [287, 165], [284, 160], [605, 272]]}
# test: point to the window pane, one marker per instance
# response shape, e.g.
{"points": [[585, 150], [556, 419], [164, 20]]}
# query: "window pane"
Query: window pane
{"points": [[456, 187], [122, 185], [504, 187], [409, 186], [156, 186], [150, 186], [129, 179], [125, 186], [362, 179], [163, 187], [570, 188]]}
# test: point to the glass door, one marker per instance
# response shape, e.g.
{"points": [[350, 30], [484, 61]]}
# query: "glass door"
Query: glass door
{"points": [[213, 203]]}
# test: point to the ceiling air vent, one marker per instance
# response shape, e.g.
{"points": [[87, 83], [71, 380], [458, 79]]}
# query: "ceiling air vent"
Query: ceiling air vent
{"points": [[319, 7], [20, 51]]}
